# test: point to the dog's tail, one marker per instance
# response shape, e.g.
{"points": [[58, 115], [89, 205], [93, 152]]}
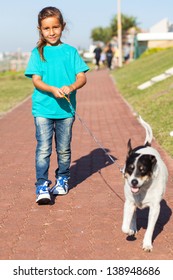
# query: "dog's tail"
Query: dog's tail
{"points": [[149, 133]]}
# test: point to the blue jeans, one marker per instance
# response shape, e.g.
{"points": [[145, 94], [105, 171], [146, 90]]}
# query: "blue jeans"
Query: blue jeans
{"points": [[45, 129]]}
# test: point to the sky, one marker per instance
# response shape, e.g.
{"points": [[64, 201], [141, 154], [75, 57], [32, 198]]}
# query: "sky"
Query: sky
{"points": [[18, 20]]}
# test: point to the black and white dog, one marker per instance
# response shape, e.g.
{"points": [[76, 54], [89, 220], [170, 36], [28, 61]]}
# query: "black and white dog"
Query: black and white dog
{"points": [[145, 183]]}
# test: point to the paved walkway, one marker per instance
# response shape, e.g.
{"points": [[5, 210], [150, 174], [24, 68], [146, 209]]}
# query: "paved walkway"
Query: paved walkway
{"points": [[85, 224]]}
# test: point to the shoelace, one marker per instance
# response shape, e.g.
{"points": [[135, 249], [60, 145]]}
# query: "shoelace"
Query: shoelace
{"points": [[61, 181], [41, 188]]}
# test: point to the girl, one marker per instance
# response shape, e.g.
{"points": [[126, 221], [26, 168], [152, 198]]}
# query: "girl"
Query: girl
{"points": [[56, 70]]}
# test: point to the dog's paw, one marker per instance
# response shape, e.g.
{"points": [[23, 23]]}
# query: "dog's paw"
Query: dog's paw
{"points": [[129, 231], [125, 229], [147, 247], [132, 232]]}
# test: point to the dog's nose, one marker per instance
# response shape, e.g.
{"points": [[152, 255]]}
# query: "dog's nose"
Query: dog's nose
{"points": [[134, 182]]}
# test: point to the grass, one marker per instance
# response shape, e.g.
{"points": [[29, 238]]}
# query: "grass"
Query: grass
{"points": [[154, 104], [14, 89]]}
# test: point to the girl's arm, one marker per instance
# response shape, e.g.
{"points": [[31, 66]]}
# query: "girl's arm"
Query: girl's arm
{"points": [[39, 84], [59, 92], [80, 82]]}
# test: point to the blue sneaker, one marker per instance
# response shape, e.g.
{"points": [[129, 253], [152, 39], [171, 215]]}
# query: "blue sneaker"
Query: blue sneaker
{"points": [[42, 192], [61, 186]]}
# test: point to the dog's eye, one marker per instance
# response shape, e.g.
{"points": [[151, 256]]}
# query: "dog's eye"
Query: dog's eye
{"points": [[130, 168], [142, 169]]}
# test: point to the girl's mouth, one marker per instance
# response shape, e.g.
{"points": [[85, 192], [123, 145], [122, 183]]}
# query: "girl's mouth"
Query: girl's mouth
{"points": [[52, 38]]}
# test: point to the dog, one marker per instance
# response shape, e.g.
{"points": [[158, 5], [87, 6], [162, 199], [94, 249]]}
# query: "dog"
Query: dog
{"points": [[145, 176]]}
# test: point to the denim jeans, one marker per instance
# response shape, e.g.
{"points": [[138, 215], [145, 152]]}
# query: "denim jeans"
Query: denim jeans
{"points": [[45, 130]]}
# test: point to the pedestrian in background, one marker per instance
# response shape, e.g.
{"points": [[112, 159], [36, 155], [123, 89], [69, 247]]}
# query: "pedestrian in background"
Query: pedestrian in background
{"points": [[109, 55], [97, 52], [126, 52], [57, 71]]}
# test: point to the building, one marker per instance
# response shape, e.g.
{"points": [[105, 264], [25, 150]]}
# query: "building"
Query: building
{"points": [[160, 35]]}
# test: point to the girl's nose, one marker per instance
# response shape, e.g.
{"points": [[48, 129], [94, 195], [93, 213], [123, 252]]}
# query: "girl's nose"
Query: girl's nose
{"points": [[51, 31]]}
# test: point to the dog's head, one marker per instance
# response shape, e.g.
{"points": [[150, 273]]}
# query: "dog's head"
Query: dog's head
{"points": [[139, 168]]}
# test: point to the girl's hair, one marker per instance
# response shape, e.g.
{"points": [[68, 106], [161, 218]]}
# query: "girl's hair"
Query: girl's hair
{"points": [[45, 13]]}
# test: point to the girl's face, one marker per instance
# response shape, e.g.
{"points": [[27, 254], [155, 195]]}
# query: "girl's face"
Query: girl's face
{"points": [[51, 30]]}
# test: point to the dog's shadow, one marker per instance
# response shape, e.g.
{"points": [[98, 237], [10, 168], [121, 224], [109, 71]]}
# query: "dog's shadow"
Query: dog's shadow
{"points": [[87, 165], [164, 216]]}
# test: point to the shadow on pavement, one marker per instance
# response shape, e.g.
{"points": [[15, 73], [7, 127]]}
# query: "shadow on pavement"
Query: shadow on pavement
{"points": [[89, 164], [164, 216]]}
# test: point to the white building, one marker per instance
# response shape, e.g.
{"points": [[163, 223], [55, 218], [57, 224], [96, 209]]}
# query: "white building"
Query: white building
{"points": [[160, 35]]}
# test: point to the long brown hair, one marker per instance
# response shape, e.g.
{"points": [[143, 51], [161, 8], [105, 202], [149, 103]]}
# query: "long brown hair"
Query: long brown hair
{"points": [[45, 13]]}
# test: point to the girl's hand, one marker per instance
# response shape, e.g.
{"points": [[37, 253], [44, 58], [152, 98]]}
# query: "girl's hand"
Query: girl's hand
{"points": [[57, 92], [67, 89]]}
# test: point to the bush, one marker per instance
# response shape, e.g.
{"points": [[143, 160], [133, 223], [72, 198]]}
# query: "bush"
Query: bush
{"points": [[152, 51]]}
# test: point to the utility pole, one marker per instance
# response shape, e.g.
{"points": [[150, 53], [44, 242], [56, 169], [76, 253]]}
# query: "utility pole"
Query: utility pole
{"points": [[119, 28]]}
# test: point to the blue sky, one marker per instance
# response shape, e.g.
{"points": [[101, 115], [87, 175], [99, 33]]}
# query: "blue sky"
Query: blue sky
{"points": [[18, 20]]}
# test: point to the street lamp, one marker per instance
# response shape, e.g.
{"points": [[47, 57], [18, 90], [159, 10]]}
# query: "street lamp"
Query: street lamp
{"points": [[119, 29]]}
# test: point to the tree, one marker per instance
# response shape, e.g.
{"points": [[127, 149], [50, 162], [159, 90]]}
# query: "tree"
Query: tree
{"points": [[101, 34], [106, 34], [126, 21]]}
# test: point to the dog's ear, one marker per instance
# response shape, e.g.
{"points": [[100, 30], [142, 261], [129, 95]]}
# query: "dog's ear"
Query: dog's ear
{"points": [[129, 146], [147, 144], [154, 166], [153, 160]]}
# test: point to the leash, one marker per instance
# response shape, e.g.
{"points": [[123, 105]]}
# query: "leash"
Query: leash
{"points": [[93, 136]]}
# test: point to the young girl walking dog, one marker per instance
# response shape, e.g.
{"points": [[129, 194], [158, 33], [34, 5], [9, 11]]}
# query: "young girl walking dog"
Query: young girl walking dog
{"points": [[57, 71]]}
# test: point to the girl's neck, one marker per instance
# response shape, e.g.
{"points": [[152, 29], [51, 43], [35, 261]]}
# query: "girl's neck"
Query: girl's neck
{"points": [[54, 45]]}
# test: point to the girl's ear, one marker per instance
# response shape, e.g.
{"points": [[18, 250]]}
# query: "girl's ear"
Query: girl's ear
{"points": [[63, 25], [39, 29]]}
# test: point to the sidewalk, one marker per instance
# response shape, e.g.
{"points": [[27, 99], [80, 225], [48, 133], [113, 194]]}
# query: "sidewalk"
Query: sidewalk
{"points": [[85, 224]]}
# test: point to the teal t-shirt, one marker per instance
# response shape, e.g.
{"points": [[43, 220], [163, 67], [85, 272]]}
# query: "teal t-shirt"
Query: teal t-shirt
{"points": [[62, 64]]}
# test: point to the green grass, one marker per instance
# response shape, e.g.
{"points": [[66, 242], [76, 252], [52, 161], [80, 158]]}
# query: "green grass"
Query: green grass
{"points": [[154, 104], [14, 89]]}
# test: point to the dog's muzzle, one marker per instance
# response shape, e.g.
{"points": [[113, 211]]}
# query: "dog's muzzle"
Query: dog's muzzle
{"points": [[134, 186]]}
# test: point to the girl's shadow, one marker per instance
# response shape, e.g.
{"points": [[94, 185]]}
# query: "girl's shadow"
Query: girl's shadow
{"points": [[89, 164]]}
